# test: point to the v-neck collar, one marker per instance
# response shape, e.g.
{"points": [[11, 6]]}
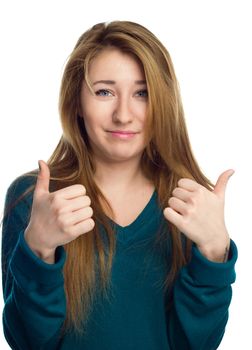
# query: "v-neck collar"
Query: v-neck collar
{"points": [[147, 211]]}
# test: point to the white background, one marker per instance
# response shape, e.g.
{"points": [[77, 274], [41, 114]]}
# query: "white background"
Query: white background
{"points": [[210, 44]]}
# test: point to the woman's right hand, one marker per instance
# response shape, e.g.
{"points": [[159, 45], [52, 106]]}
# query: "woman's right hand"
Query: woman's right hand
{"points": [[56, 218]]}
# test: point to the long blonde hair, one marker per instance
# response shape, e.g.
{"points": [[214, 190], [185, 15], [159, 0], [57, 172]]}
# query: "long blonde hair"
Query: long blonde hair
{"points": [[167, 158]]}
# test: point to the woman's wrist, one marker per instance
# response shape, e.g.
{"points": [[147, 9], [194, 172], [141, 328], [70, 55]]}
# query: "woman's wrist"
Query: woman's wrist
{"points": [[47, 255], [216, 251]]}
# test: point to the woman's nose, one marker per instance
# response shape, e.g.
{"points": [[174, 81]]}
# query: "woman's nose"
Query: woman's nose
{"points": [[122, 113]]}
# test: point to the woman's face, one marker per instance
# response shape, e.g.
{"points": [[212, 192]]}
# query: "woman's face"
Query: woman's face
{"points": [[115, 115]]}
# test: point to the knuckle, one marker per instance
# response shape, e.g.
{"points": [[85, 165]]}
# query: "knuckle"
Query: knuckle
{"points": [[192, 199], [81, 188], [55, 202], [186, 219], [87, 201], [170, 201], [90, 224], [84, 227], [72, 234], [190, 212], [61, 210], [57, 210], [175, 191], [90, 211], [63, 224], [181, 182], [60, 222]]}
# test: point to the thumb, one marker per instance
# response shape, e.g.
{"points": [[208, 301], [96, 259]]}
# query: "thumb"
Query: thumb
{"points": [[43, 179], [221, 184]]}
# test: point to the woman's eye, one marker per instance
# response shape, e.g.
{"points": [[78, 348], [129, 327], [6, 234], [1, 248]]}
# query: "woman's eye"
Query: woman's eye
{"points": [[103, 92], [107, 93], [143, 93]]}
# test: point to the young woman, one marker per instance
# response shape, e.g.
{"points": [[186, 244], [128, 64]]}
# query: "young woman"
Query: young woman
{"points": [[119, 240]]}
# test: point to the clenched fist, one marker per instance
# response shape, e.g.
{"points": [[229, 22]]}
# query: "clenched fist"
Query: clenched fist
{"points": [[199, 214], [56, 218]]}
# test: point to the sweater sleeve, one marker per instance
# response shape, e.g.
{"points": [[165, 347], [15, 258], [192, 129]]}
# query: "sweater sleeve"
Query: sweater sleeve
{"points": [[34, 297], [201, 298]]}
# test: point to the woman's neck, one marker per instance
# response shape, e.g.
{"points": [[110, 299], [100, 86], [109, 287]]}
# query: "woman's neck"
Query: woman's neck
{"points": [[119, 177]]}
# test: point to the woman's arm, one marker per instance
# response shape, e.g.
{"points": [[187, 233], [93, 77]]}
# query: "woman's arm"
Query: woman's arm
{"points": [[202, 292], [33, 290], [202, 295]]}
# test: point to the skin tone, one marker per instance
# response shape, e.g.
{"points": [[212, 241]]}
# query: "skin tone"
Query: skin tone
{"points": [[114, 117], [119, 103], [199, 213]]}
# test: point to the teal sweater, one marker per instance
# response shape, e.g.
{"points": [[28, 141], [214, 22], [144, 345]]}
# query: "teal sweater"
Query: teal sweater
{"points": [[135, 317]]}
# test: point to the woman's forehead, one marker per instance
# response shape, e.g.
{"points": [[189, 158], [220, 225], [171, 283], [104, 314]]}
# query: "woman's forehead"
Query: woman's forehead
{"points": [[112, 63]]}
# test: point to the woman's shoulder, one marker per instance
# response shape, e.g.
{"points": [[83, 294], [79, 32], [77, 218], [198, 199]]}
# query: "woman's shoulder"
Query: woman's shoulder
{"points": [[18, 200], [20, 185]]}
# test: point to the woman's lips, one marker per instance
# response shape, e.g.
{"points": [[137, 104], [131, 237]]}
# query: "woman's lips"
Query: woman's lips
{"points": [[123, 134]]}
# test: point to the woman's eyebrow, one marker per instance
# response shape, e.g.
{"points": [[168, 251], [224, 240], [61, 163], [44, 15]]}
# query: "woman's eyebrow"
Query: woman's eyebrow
{"points": [[111, 82]]}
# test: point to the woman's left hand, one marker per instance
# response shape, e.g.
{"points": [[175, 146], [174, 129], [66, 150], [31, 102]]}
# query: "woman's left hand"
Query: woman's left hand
{"points": [[199, 214]]}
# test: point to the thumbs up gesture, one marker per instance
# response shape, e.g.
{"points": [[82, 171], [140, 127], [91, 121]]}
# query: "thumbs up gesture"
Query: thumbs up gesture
{"points": [[56, 218], [199, 214]]}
